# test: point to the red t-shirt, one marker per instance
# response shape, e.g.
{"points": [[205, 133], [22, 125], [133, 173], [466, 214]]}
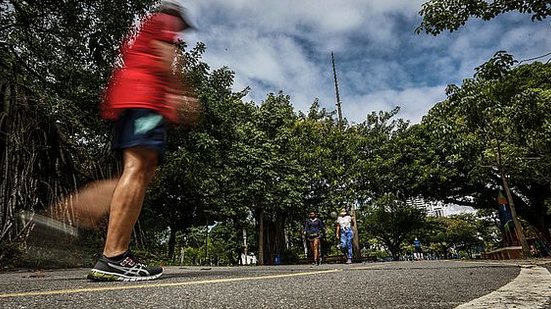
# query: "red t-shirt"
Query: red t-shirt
{"points": [[142, 82]]}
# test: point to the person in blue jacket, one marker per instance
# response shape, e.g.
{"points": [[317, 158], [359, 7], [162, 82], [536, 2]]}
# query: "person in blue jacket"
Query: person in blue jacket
{"points": [[313, 230]]}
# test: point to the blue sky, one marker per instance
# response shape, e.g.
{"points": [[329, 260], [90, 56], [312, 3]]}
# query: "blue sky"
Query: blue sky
{"points": [[381, 63]]}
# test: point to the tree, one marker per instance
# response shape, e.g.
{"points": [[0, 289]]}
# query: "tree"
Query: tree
{"points": [[194, 184], [488, 135], [464, 232], [312, 146], [389, 154], [450, 15], [54, 58], [392, 221], [269, 172]]}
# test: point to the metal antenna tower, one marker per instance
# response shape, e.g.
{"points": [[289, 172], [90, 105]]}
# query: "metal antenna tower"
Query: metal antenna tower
{"points": [[339, 110]]}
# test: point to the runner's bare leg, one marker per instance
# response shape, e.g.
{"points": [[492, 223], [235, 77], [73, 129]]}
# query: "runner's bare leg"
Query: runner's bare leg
{"points": [[139, 168]]}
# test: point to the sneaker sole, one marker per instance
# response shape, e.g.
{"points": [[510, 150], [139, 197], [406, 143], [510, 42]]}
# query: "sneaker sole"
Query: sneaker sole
{"points": [[101, 275]]}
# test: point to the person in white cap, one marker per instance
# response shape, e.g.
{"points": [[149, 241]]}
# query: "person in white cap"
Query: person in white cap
{"points": [[345, 234]]}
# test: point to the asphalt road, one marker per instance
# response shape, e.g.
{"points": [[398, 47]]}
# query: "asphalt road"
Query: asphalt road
{"points": [[425, 284]]}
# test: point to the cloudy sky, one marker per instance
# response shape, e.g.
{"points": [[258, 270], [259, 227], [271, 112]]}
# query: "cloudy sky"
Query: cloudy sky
{"points": [[381, 63]]}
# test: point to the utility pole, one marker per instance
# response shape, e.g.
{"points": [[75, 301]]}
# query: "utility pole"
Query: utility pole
{"points": [[356, 239], [339, 110]]}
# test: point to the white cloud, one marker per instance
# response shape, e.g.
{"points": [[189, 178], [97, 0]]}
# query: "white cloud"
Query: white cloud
{"points": [[285, 45], [413, 102]]}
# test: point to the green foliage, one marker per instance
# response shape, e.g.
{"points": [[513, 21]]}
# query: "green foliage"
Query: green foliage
{"points": [[392, 222], [450, 15], [54, 58], [494, 124], [244, 161], [389, 157], [262, 167], [464, 232], [10, 254]]}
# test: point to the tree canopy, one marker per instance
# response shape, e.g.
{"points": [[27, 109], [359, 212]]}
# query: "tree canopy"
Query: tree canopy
{"points": [[450, 15], [258, 168], [502, 108]]}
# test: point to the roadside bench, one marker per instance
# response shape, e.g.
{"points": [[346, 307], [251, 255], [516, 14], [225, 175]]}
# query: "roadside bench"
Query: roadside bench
{"points": [[506, 253]]}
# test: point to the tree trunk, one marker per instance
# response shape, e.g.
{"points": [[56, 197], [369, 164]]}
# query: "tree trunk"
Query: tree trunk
{"points": [[518, 227], [394, 249], [35, 162], [245, 246], [171, 242], [260, 217], [356, 238], [277, 240]]}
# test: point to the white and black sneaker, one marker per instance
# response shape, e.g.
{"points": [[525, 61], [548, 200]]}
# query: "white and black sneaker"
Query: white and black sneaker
{"points": [[128, 268]]}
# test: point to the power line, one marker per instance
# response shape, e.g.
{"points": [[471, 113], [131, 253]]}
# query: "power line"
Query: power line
{"points": [[536, 58]]}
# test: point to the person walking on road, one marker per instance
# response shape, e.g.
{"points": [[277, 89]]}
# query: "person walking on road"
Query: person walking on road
{"points": [[313, 230], [418, 254], [141, 98], [345, 234]]}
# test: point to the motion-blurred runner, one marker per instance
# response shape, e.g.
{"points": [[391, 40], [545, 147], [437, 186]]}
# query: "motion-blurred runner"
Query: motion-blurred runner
{"points": [[141, 98]]}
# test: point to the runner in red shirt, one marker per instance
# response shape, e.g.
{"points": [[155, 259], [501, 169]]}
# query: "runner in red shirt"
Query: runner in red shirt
{"points": [[141, 97], [146, 79]]}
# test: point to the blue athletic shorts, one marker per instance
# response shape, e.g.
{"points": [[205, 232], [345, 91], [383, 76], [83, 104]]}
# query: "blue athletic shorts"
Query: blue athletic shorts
{"points": [[140, 128]]}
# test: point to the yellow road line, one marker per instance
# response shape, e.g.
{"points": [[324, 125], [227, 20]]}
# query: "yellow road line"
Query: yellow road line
{"points": [[160, 285], [367, 267]]}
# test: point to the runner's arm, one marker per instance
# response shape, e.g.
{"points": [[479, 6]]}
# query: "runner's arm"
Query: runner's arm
{"points": [[167, 55]]}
